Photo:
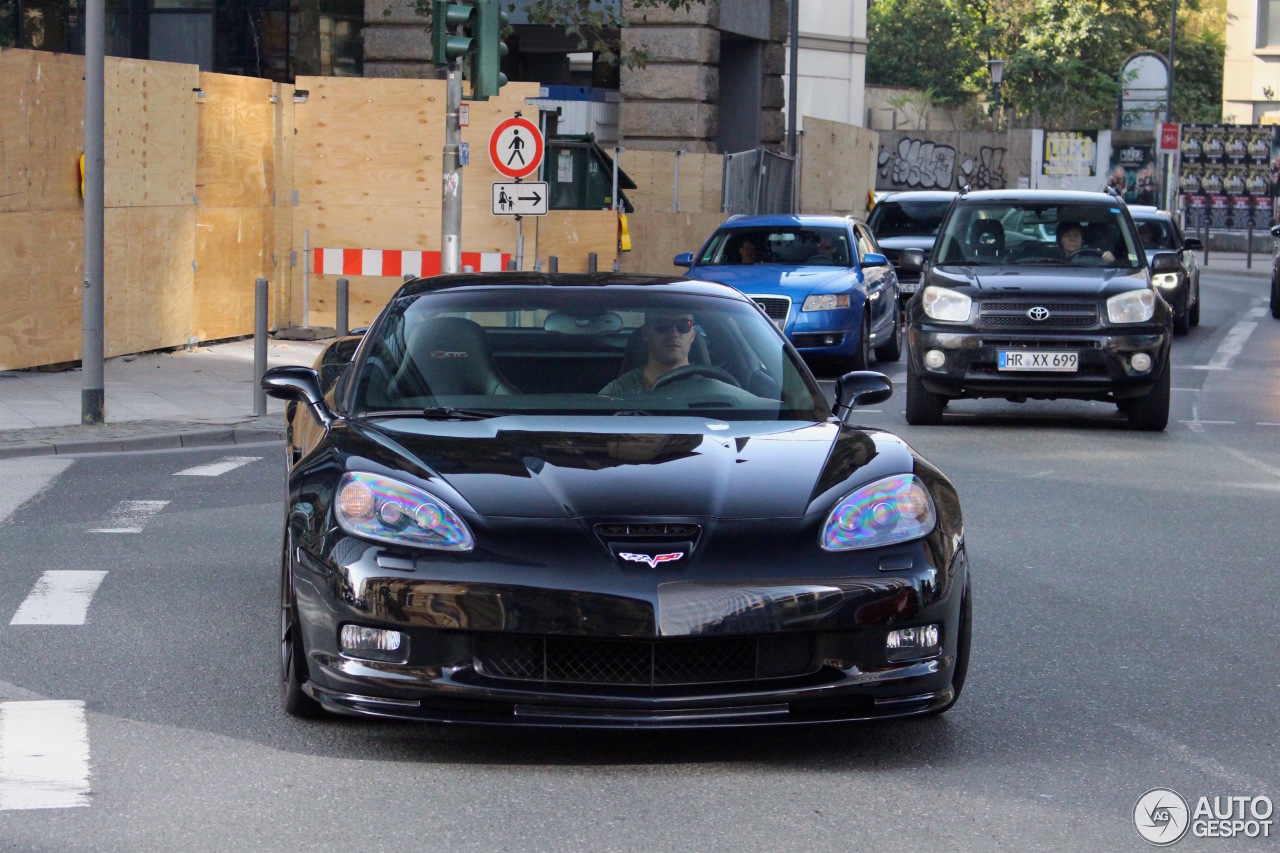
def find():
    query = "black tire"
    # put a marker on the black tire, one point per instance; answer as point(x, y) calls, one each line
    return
point(892, 349)
point(862, 358)
point(1275, 296)
point(924, 408)
point(1151, 413)
point(1193, 310)
point(964, 643)
point(1182, 325)
point(293, 658)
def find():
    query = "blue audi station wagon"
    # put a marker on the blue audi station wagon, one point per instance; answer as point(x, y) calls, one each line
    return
point(821, 279)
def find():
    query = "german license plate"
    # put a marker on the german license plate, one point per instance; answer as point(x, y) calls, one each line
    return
point(908, 286)
point(1056, 362)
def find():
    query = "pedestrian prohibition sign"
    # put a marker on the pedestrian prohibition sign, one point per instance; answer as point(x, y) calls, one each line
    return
point(515, 147)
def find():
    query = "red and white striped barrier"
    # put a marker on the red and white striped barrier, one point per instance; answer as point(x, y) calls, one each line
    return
point(394, 262)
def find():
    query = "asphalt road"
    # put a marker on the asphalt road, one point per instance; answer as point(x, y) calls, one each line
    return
point(1126, 596)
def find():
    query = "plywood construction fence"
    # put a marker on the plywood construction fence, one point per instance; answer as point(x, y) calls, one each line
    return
point(212, 181)
point(837, 167)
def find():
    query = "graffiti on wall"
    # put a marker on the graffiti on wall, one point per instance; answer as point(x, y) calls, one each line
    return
point(919, 164)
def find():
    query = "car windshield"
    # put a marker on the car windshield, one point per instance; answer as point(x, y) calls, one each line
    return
point(907, 218)
point(473, 352)
point(792, 244)
point(1158, 235)
point(1039, 233)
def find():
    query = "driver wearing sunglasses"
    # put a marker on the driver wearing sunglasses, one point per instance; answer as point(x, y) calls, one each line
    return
point(668, 337)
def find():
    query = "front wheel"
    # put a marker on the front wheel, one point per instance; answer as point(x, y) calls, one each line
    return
point(1193, 311)
point(1275, 295)
point(924, 408)
point(891, 350)
point(862, 358)
point(293, 658)
point(1151, 413)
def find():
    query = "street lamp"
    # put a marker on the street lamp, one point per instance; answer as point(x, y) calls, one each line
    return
point(996, 68)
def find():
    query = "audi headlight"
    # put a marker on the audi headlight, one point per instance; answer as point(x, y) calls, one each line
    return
point(942, 303)
point(388, 510)
point(1136, 306)
point(1165, 279)
point(825, 302)
point(895, 509)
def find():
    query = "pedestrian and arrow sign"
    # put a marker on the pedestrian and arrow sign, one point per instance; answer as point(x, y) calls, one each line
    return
point(515, 147)
point(520, 199)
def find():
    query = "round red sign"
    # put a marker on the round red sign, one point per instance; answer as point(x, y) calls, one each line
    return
point(515, 147)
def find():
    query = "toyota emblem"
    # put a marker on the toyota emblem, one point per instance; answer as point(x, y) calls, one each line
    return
point(1038, 313)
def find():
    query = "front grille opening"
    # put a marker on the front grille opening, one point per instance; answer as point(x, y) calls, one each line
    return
point(776, 308)
point(647, 531)
point(643, 663)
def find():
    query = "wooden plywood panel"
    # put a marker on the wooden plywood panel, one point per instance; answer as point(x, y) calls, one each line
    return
point(229, 258)
point(41, 275)
point(149, 280)
point(837, 167)
point(235, 145)
point(151, 132)
point(15, 142)
point(654, 173)
point(571, 235)
point(658, 237)
point(56, 124)
point(367, 295)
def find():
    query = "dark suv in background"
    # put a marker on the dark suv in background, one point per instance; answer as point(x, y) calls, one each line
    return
point(1008, 309)
point(907, 220)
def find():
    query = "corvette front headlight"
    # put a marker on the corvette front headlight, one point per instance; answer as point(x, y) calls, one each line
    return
point(1136, 306)
point(825, 302)
point(895, 509)
point(388, 510)
point(1165, 279)
point(942, 303)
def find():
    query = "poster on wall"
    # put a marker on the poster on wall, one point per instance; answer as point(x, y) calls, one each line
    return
point(1134, 173)
point(1228, 175)
point(1070, 153)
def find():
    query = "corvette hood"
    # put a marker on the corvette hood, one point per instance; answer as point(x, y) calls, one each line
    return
point(770, 278)
point(525, 467)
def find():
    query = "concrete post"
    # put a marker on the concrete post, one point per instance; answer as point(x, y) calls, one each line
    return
point(592, 261)
point(553, 264)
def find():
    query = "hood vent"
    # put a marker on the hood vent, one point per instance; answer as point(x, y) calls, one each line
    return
point(648, 531)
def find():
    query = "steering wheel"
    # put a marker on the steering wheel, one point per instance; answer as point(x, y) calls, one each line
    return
point(691, 370)
point(822, 259)
point(1087, 252)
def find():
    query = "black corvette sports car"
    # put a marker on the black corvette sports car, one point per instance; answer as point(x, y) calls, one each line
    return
point(606, 501)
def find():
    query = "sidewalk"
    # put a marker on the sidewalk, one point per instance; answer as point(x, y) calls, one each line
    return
point(1233, 263)
point(197, 398)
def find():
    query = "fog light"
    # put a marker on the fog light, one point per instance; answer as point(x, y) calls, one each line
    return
point(934, 359)
point(828, 340)
point(1141, 362)
point(910, 643)
point(360, 641)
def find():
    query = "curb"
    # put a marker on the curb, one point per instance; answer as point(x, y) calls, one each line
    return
point(1258, 274)
point(211, 437)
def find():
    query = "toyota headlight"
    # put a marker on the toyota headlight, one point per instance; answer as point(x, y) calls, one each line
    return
point(895, 509)
point(1136, 306)
point(825, 302)
point(388, 510)
point(1165, 279)
point(942, 303)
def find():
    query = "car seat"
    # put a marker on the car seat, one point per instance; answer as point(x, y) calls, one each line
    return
point(986, 239)
point(449, 356)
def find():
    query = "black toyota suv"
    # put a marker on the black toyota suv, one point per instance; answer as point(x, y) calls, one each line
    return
point(1039, 294)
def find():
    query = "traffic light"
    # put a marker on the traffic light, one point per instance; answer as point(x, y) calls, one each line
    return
point(479, 42)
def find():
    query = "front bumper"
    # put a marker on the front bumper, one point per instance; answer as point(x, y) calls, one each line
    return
point(1104, 370)
point(819, 642)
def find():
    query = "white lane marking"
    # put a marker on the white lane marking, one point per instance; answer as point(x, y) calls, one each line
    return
point(1250, 461)
point(1162, 742)
point(1189, 423)
point(24, 479)
point(59, 598)
point(129, 516)
point(217, 469)
point(1233, 344)
point(44, 755)
point(1266, 423)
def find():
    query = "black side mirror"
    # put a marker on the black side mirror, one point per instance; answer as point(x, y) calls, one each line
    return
point(1165, 262)
point(1193, 244)
point(301, 385)
point(861, 388)
point(911, 260)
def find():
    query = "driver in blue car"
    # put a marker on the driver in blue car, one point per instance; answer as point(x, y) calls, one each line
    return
point(668, 338)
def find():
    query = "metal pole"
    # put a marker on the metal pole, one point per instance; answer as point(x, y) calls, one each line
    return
point(451, 206)
point(797, 177)
point(1204, 218)
point(344, 304)
point(553, 264)
point(1173, 41)
point(519, 243)
point(306, 276)
point(511, 264)
point(592, 262)
point(616, 152)
point(793, 66)
point(1248, 252)
point(93, 300)
point(259, 346)
point(675, 185)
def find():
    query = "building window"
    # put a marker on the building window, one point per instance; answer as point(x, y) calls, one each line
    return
point(1268, 23)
